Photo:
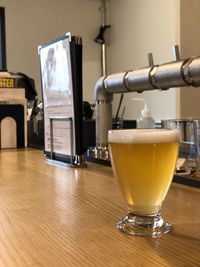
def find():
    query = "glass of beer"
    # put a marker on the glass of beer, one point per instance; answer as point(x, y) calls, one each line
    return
point(144, 161)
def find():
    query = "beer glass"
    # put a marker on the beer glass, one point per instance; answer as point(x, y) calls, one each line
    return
point(144, 161)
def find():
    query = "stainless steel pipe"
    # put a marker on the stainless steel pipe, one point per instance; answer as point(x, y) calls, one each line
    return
point(172, 74)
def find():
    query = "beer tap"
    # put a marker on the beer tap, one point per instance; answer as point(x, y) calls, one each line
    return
point(178, 73)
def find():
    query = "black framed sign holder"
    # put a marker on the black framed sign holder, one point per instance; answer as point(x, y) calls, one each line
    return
point(61, 78)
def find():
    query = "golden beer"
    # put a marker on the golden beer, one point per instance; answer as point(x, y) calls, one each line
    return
point(144, 161)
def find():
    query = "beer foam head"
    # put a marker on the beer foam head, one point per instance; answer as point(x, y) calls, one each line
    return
point(142, 136)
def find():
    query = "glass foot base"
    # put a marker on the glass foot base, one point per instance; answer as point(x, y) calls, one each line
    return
point(153, 226)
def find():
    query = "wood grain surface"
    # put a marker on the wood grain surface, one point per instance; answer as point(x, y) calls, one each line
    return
point(52, 215)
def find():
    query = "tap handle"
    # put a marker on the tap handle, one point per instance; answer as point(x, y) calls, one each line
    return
point(176, 53)
point(150, 59)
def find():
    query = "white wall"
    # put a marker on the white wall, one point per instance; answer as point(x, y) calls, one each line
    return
point(31, 23)
point(137, 28)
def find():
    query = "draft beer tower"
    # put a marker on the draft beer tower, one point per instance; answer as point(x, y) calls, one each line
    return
point(178, 73)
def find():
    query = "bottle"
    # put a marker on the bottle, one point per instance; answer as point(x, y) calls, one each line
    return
point(146, 120)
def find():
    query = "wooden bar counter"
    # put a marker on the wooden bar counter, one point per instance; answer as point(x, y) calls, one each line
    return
point(52, 215)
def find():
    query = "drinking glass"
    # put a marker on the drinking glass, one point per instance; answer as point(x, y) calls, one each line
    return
point(144, 161)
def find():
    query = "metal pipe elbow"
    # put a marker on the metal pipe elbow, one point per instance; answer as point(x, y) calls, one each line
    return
point(100, 92)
